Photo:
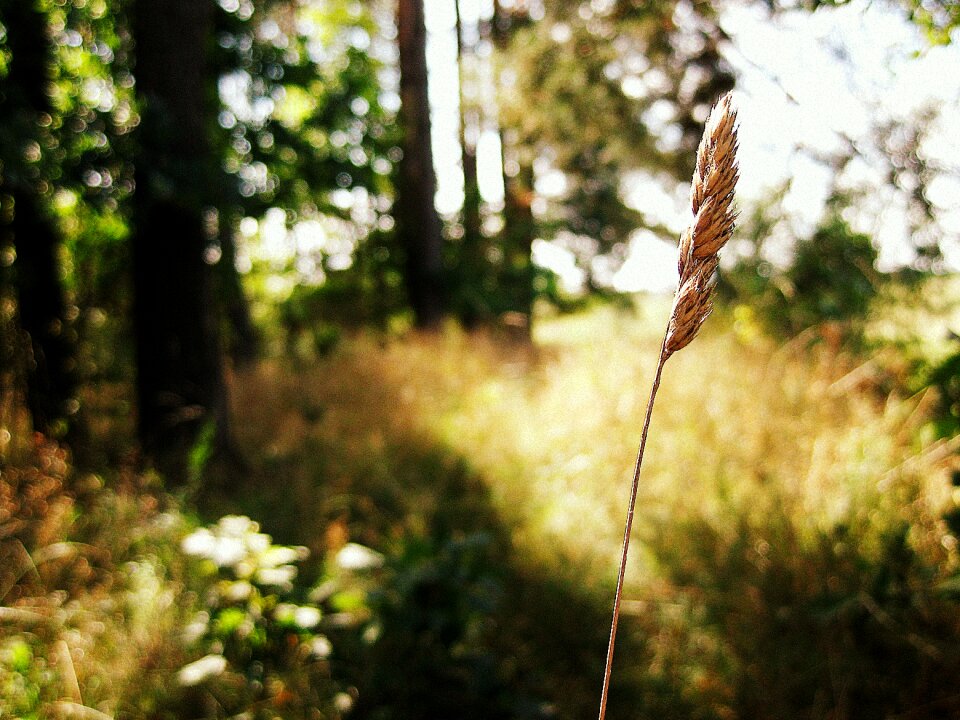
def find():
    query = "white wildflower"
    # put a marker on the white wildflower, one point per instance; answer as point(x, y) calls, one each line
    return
point(237, 525)
point(200, 670)
point(199, 543)
point(279, 555)
point(358, 557)
point(320, 647)
point(343, 702)
point(306, 617)
point(279, 577)
point(196, 628)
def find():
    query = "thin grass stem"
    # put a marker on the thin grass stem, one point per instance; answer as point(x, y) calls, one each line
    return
point(711, 201)
point(627, 529)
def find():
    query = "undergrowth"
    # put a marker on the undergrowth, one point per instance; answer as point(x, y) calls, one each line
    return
point(114, 604)
point(785, 485)
point(796, 540)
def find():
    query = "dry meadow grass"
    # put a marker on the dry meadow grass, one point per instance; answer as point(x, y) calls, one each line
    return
point(741, 424)
point(779, 480)
point(790, 556)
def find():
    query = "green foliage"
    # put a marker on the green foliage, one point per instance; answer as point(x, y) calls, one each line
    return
point(810, 618)
point(434, 608)
point(87, 586)
point(22, 679)
point(576, 100)
point(202, 451)
point(302, 109)
point(945, 378)
point(116, 608)
point(263, 649)
point(307, 127)
point(312, 316)
point(830, 280)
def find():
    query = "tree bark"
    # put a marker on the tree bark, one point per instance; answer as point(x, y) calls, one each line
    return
point(519, 227)
point(244, 340)
point(50, 362)
point(418, 225)
point(471, 259)
point(51, 381)
point(180, 388)
point(518, 234)
point(470, 123)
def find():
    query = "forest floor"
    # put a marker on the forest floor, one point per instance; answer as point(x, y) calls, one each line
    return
point(789, 541)
point(762, 458)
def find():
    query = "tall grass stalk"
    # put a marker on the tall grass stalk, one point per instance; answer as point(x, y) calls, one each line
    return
point(711, 199)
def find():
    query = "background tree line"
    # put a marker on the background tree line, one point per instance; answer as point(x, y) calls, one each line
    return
point(139, 137)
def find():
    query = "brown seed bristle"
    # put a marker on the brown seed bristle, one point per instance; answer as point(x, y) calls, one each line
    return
point(692, 306)
point(711, 200)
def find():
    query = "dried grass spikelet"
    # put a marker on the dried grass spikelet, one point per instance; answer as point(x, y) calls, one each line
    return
point(711, 199)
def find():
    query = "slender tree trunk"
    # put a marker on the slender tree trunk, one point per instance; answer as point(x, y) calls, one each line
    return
point(469, 134)
point(244, 344)
point(519, 228)
point(473, 304)
point(50, 362)
point(180, 387)
point(518, 235)
point(418, 225)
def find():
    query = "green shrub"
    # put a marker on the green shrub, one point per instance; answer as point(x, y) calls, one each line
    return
point(850, 620)
point(945, 377)
point(261, 640)
point(831, 279)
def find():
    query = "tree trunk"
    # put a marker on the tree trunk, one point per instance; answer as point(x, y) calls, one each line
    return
point(471, 261)
point(518, 234)
point(50, 362)
point(470, 123)
point(418, 225)
point(180, 387)
point(519, 228)
point(42, 313)
point(244, 340)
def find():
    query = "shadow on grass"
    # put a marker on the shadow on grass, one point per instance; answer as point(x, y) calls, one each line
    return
point(469, 626)
point(852, 621)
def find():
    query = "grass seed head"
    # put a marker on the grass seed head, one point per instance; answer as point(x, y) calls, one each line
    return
point(711, 200)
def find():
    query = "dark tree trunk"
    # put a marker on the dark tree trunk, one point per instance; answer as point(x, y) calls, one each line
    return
point(470, 123)
point(471, 261)
point(50, 362)
point(244, 341)
point(28, 76)
point(418, 225)
point(518, 234)
point(42, 312)
point(519, 230)
point(180, 388)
